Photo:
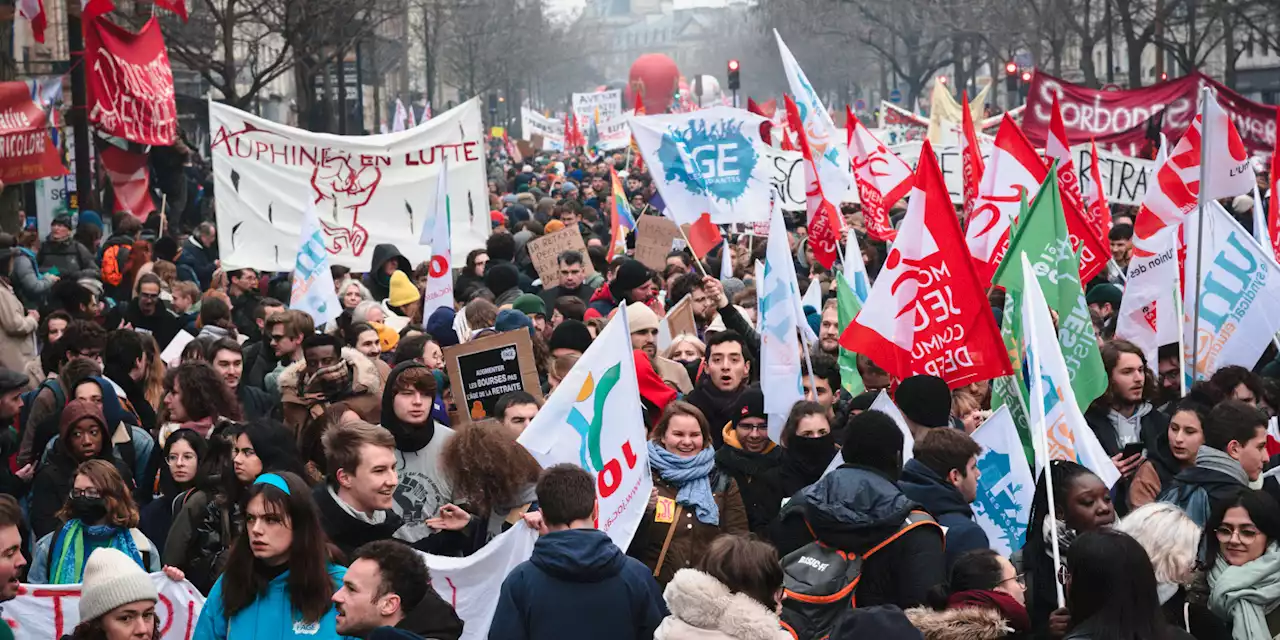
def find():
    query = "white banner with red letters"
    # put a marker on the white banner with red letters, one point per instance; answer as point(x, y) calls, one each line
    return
point(50, 611)
point(368, 190)
point(471, 585)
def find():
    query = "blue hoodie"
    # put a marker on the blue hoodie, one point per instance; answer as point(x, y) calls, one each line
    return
point(945, 503)
point(578, 584)
point(270, 617)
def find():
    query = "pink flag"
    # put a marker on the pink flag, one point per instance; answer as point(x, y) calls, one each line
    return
point(882, 178)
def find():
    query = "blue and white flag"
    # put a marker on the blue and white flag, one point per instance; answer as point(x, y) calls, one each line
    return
point(1058, 428)
point(779, 319)
point(571, 428)
point(708, 161)
point(1239, 294)
point(829, 145)
point(1006, 486)
point(313, 289)
point(855, 271)
point(812, 298)
point(1260, 232)
point(436, 233)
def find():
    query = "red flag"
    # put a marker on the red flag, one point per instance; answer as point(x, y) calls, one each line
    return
point(703, 236)
point(1097, 211)
point(1014, 169)
point(91, 8)
point(882, 178)
point(177, 6)
point(927, 312)
point(33, 12)
point(136, 100)
point(824, 219)
point(1273, 195)
point(971, 156)
point(766, 129)
point(1083, 230)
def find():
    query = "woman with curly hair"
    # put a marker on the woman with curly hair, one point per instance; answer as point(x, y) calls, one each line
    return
point(197, 398)
point(495, 477)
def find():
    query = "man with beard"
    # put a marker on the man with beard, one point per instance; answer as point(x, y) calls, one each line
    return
point(1170, 390)
point(1124, 416)
point(386, 593)
point(147, 312)
point(718, 393)
point(829, 329)
point(355, 500)
point(11, 559)
point(407, 400)
point(644, 337)
point(753, 460)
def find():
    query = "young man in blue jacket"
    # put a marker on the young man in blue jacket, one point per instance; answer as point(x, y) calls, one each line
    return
point(578, 584)
point(943, 477)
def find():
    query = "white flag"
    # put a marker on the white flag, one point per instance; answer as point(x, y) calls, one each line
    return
point(1148, 315)
point(779, 319)
point(1006, 486)
point(1260, 232)
point(440, 268)
point(884, 404)
point(1057, 425)
point(398, 124)
point(571, 428)
point(830, 147)
point(726, 261)
point(471, 585)
point(1239, 294)
point(313, 290)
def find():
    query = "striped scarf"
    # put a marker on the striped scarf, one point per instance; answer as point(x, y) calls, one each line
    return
point(68, 554)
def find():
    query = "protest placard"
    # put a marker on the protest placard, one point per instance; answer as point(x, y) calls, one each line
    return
point(786, 174)
point(680, 318)
point(605, 104)
point(546, 250)
point(48, 612)
point(654, 235)
point(482, 370)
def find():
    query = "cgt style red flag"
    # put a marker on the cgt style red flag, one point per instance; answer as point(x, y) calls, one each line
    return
point(824, 219)
point(882, 178)
point(766, 129)
point(177, 6)
point(130, 83)
point(703, 236)
point(971, 157)
point(1273, 194)
point(1084, 231)
point(926, 313)
point(93, 8)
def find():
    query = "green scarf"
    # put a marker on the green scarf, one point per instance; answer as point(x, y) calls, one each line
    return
point(1246, 593)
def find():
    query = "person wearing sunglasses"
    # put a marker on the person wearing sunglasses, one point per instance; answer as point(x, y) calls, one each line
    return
point(983, 592)
point(1243, 557)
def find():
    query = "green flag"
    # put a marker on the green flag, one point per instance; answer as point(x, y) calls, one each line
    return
point(847, 307)
point(1042, 235)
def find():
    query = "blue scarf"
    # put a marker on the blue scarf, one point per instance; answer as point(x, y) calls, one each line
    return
point(68, 556)
point(692, 476)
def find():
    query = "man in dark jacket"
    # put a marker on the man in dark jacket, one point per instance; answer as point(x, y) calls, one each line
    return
point(857, 507)
point(146, 311)
point(753, 461)
point(718, 393)
point(386, 594)
point(1233, 455)
point(1125, 414)
point(199, 257)
point(572, 280)
point(501, 248)
point(943, 477)
point(576, 573)
point(355, 501)
point(60, 254)
point(242, 288)
point(227, 357)
point(124, 361)
point(114, 258)
point(387, 259)
point(259, 358)
point(632, 282)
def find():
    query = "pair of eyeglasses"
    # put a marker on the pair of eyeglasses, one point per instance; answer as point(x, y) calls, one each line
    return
point(1246, 536)
point(1021, 579)
point(85, 493)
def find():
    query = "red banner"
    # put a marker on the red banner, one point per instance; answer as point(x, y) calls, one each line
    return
point(27, 151)
point(130, 181)
point(130, 82)
point(1118, 119)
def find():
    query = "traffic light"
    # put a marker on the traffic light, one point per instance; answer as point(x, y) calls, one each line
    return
point(942, 79)
point(1011, 77)
point(734, 68)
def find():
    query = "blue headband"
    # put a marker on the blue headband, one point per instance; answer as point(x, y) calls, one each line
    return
point(274, 480)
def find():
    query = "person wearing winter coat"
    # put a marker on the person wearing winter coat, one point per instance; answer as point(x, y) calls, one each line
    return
point(632, 282)
point(731, 595)
point(689, 495)
point(857, 507)
point(575, 572)
point(356, 497)
point(387, 259)
point(423, 489)
point(199, 257)
point(718, 393)
point(753, 461)
point(943, 477)
point(386, 594)
point(29, 282)
point(117, 600)
point(60, 253)
point(984, 599)
point(17, 325)
point(147, 311)
point(809, 446)
point(327, 376)
point(279, 581)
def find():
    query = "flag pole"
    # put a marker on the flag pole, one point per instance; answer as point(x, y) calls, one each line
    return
point(1204, 144)
point(697, 262)
point(1182, 328)
point(1042, 440)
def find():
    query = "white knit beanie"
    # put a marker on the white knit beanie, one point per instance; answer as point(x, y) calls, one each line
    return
point(112, 579)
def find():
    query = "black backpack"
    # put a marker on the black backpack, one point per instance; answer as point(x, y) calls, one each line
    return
point(820, 582)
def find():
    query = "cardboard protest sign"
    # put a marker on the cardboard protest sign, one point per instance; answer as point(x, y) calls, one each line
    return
point(680, 318)
point(545, 252)
point(605, 104)
point(654, 235)
point(786, 174)
point(48, 612)
point(1124, 178)
point(480, 371)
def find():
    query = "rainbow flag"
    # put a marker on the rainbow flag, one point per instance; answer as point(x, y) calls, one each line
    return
point(621, 221)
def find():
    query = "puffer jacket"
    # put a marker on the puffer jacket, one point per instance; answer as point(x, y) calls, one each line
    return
point(703, 608)
point(691, 537)
point(970, 623)
point(200, 538)
point(69, 257)
point(31, 286)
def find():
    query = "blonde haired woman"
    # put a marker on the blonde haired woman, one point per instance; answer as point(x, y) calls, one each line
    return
point(1172, 542)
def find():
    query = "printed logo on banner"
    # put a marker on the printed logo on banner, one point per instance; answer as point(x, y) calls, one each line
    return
point(998, 500)
point(715, 159)
point(593, 396)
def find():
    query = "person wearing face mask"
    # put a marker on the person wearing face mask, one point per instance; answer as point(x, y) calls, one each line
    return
point(808, 445)
point(82, 436)
point(983, 599)
point(99, 512)
point(407, 404)
point(692, 502)
point(280, 578)
point(1243, 539)
point(174, 483)
point(753, 461)
point(943, 477)
point(355, 500)
point(1082, 503)
point(128, 442)
point(728, 372)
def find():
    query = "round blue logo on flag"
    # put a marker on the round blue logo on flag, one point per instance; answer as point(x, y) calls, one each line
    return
point(714, 159)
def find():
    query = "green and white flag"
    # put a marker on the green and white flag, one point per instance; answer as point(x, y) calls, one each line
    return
point(847, 307)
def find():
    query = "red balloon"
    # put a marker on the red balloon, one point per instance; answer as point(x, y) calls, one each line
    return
point(653, 76)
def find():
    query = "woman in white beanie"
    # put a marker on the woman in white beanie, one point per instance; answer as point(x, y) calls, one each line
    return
point(117, 600)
